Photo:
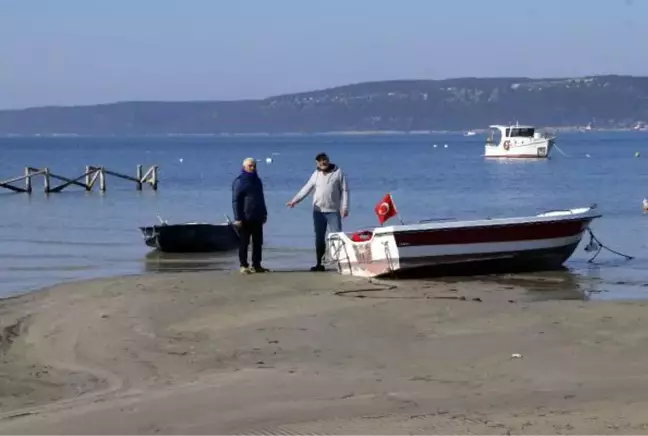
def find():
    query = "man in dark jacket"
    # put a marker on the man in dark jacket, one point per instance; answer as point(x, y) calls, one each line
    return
point(250, 214)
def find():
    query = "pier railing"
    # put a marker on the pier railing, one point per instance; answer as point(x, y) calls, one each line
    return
point(86, 180)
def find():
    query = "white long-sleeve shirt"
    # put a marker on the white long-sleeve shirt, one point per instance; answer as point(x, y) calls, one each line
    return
point(330, 190)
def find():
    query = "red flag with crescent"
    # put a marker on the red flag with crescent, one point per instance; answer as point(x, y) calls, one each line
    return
point(385, 209)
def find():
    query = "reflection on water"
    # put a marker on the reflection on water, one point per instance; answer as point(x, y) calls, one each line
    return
point(560, 284)
point(156, 261)
point(549, 285)
point(274, 258)
point(602, 283)
point(592, 283)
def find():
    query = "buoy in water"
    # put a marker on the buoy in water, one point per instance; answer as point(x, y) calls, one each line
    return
point(434, 146)
point(637, 154)
point(268, 160)
point(445, 145)
point(181, 160)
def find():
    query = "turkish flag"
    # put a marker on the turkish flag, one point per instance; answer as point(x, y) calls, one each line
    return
point(385, 209)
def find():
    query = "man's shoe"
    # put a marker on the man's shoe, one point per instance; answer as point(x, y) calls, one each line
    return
point(258, 269)
point(318, 268)
point(245, 270)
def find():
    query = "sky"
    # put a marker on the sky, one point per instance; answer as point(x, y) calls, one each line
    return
point(76, 52)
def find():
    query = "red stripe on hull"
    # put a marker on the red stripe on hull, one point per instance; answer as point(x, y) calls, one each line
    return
point(491, 234)
point(519, 156)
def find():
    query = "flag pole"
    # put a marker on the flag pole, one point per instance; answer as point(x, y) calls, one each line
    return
point(397, 211)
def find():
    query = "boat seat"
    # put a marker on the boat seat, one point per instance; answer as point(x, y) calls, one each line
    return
point(361, 236)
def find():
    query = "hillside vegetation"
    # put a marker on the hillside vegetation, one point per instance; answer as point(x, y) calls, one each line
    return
point(405, 105)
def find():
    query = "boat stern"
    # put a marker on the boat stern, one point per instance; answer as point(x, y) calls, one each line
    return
point(149, 233)
point(367, 253)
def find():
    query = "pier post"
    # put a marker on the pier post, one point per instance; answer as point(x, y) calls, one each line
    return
point(139, 178)
point(102, 179)
point(88, 178)
point(154, 178)
point(46, 180)
point(28, 184)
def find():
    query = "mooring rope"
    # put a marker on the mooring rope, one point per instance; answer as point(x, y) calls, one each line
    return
point(560, 150)
point(596, 244)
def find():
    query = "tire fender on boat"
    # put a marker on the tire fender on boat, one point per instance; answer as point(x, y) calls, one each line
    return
point(507, 145)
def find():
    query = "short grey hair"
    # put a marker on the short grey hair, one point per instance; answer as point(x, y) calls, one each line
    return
point(249, 160)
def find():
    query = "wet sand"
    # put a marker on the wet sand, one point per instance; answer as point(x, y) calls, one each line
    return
point(284, 353)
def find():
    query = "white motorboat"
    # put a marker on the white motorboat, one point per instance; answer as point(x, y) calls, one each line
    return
point(516, 141)
point(452, 247)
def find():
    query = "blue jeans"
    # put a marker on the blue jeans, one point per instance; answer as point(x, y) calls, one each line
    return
point(322, 220)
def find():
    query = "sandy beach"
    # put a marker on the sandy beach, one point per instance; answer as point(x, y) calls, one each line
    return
point(288, 353)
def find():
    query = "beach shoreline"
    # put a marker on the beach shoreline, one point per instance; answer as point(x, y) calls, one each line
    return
point(295, 352)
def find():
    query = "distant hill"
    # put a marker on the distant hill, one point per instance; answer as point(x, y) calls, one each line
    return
point(403, 105)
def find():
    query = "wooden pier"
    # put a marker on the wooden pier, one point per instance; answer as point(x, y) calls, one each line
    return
point(86, 180)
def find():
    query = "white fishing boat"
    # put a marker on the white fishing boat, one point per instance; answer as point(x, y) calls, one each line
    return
point(470, 133)
point(451, 247)
point(516, 141)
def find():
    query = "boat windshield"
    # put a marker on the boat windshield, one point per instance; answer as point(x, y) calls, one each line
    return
point(522, 132)
point(494, 137)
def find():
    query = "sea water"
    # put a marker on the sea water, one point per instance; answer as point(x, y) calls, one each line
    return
point(47, 239)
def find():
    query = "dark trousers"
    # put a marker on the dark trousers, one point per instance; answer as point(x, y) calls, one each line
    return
point(250, 230)
point(322, 221)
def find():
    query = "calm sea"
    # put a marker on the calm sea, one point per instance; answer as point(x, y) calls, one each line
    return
point(74, 235)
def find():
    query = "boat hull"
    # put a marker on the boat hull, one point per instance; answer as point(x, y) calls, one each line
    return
point(191, 237)
point(535, 149)
point(542, 259)
point(463, 248)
